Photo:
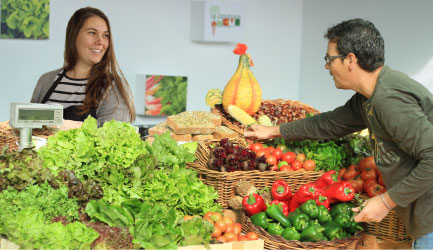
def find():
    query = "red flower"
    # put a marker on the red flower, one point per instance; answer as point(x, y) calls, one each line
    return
point(240, 49)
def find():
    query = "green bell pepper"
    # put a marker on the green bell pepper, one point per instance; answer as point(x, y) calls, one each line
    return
point(310, 208)
point(353, 227)
point(333, 230)
point(290, 233)
point(275, 213)
point(260, 219)
point(300, 221)
point(312, 233)
point(342, 208)
point(324, 215)
point(275, 229)
point(343, 220)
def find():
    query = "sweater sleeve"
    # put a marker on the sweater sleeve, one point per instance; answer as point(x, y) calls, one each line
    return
point(341, 121)
point(43, 85)
point(406, 123)
point(113, 106)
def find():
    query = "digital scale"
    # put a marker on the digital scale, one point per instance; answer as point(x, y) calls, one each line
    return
point(27, 116)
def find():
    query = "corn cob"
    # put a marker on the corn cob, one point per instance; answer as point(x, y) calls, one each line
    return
point(240, 115)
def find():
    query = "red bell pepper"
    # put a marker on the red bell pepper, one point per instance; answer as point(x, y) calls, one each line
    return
point(305, 192)
point(281, 191)
point(284, 206)
point(253, 204)
point(322, 199)
point(340, 191)
point(327, 178)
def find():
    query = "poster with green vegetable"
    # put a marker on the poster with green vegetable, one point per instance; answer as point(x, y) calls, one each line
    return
point(25, 19)
point(165, 95)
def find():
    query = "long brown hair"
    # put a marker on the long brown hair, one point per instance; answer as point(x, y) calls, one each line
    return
point(103, 74)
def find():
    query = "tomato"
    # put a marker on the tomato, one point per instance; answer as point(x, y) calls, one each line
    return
point(216, 216)
point(282, 147)
point(237, 228)
point(243, 238)
point(289, 157)
point(230, 237)
point(252, 236)
point(286, 168)
point(367, 162)
point(296, 165)
point(380, 180)
point(228, 220)
point(271, 149)
point(278, 153)
point(368, 173)
point(217, 232)
point(222, 225)
point(221, 239)
point(256, 146)
point(261, 152)
point(282, 163)
point(187, 217)
point(352, 171)
point(207, 215)
point(341, 172)
point(367, 183)
point(230, 228)
point(271, 160)
point(309, 165)
point(357, 183)
point(300, 157)
point(375, 189)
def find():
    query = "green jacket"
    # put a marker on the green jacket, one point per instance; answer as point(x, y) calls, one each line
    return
point(399, 117)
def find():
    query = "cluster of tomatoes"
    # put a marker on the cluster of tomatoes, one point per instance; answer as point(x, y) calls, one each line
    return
point(282, 160)
point(364, 177)
point(226, 230)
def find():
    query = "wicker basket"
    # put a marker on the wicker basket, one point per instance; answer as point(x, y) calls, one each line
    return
point(279, 110)
point(8, 137)
point(225, 182)
point(11, 137)
point(390, 228)
point(278, 242)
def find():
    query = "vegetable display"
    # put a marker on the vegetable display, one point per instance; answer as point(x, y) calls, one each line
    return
point(135, 194)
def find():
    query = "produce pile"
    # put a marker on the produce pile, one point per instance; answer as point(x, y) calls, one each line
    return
point(104, 188)
point(318, 211)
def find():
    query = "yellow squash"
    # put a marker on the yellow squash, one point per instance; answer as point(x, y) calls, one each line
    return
point(243, 90)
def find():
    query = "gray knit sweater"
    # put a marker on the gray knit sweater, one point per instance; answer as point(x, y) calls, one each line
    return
point(111, 107)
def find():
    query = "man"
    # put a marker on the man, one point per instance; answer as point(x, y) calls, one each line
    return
point(398, 112)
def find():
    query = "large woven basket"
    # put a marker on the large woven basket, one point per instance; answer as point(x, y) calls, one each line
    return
point(225, 182)
point(279, 110)
point(11, 137)
point(278, 242)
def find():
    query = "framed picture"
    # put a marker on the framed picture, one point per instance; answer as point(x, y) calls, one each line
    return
point(25, 19)
point(165, 95)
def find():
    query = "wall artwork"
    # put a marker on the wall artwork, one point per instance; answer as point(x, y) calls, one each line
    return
point(165, 95)
point(216, 21)
point(25, 19)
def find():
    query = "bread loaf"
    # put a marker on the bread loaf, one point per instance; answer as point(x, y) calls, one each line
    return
point(162, 128)
point(194, 122)
point(224, 132)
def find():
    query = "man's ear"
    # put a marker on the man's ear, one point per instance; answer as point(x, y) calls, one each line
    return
point(352, 59)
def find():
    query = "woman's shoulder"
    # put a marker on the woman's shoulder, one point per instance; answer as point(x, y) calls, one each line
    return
point(50, 75)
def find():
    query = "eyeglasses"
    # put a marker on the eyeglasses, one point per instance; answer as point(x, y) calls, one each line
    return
point(329, 59)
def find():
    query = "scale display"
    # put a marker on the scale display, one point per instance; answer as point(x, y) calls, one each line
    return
point(35, 115)
point(30, 114)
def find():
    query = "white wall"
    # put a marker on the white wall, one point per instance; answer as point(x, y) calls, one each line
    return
point(406, 26)
point(153, 37)
point(285, 39)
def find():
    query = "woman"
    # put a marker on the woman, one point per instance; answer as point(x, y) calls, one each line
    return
point(90, 82)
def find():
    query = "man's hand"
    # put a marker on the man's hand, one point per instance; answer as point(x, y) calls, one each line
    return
point(374, 210)
point(261, 132)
